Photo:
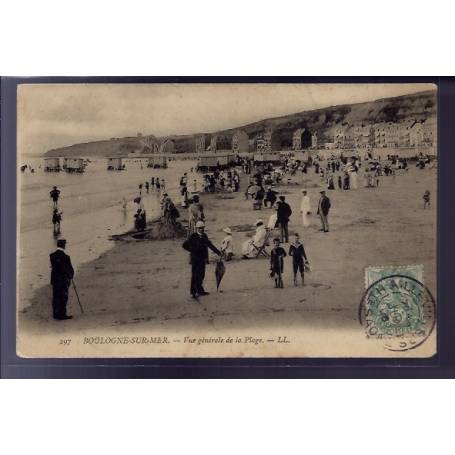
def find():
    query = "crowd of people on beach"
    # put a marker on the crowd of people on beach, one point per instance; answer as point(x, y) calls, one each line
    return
point(263, 183)
point(262, 189)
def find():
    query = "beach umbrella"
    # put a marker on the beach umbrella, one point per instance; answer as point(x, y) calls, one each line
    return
point(220, 269)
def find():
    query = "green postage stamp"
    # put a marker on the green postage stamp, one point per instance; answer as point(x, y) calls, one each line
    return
point(375, 273)
point(397, 309)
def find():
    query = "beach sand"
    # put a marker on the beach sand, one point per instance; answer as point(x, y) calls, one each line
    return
point(141, 289)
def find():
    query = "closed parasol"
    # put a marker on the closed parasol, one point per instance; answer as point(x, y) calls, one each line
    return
point(220, 269)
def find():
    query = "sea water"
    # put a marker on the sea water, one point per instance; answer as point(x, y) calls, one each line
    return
point(92, 206)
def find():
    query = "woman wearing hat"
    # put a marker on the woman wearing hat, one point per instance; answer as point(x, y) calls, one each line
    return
point(250, 246)
point(227, 247)
point(195, 213)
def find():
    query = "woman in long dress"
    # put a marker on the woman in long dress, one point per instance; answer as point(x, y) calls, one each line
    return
point(250, 246)
point(305, 208)
point(353, 177)
point(195, 214)
point(184, 197)
point(366, 178)
point(346, 181)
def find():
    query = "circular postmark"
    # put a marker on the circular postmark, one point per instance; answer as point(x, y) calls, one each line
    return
point(398, 311)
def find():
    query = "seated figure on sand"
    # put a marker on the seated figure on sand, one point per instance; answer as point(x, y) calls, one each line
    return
point(251, 246)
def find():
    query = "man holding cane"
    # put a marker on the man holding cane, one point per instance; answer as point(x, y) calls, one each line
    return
point(61, 275)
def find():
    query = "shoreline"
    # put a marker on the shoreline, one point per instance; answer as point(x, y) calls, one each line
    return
point(92, 211)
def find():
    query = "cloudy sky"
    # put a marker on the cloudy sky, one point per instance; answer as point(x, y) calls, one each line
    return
point(55, 115)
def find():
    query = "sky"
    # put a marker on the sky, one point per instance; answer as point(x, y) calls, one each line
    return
point(57, 115)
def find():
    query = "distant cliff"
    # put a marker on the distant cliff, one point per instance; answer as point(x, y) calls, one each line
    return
point(108, 148)
point(418, 107)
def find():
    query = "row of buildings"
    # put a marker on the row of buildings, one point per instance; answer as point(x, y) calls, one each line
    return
point(408, 133)
point(237, 142)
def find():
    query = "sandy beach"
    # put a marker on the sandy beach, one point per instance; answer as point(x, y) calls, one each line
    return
point(140, 290)
point(92, 200)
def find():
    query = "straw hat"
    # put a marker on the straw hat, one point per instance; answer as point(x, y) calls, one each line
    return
point(227, 230)
point(200, 224)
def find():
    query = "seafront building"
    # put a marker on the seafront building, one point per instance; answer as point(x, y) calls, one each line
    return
point(407, 133)
point(303, 139)
point(240, 142)
point(202, 143)
point(221, 142)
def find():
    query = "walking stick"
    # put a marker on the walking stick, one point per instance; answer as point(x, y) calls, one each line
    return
point(77, 295)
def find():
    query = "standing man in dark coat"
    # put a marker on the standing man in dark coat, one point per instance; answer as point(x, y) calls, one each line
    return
point(198, 244)
point(55, 194)
point(61, 276)
point(284, 212)
point(323, 211)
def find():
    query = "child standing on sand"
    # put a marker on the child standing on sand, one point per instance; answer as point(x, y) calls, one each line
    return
point(277, 256)
point(426, 199)
point(226, 245)
point(299, 259)
point(56, 220)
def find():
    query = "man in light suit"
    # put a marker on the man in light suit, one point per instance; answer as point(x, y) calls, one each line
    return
point(61, 275)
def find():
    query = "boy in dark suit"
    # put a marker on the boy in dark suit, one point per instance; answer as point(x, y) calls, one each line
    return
point(299, 259)
point(277, 256)
point(61, 276)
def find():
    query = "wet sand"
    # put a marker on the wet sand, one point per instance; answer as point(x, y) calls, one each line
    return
point(142, 288)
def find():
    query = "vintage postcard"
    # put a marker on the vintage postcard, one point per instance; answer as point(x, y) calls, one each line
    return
point(226, 220)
